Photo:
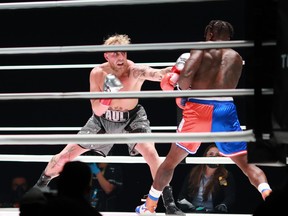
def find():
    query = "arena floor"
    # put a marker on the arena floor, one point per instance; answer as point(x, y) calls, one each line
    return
point(15, 212)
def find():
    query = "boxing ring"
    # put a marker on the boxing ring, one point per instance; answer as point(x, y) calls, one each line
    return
point(157, 137)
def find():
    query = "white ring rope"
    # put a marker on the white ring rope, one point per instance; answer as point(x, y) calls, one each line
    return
point(69, 66)
point(76, 66)
point(118, 159)
point(82, 3)
point(153, 128)
point(130, 47)
point(133, 94)
point(109, 159)
point(56, 139)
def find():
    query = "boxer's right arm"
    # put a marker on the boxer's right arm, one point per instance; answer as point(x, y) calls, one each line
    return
point(111, 84)
point(101, 82)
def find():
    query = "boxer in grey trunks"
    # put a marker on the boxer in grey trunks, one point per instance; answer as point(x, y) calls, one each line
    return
point(119, 115)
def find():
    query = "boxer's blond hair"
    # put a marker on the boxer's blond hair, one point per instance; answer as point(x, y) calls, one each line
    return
point(121, 39)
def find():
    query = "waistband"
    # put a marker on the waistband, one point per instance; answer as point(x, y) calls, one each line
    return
point(120, 116)
point(211, 98)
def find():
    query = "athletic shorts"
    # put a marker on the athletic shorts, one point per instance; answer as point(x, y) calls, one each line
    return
point(211, 115)
point(111, 122)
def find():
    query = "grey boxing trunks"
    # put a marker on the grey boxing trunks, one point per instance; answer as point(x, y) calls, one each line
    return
point(113, 121)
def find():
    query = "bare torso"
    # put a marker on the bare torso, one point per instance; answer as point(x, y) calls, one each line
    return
point(131, 75)
point(211, 69)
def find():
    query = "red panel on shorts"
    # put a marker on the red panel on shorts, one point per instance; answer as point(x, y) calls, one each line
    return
point(196, 118)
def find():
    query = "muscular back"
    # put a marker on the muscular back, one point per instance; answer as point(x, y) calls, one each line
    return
point(211, 69)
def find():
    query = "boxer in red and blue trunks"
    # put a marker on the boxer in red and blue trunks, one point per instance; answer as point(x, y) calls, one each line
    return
point(215, 68)
point(211, 115)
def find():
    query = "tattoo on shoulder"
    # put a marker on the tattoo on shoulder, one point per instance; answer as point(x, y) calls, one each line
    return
point(138, 71)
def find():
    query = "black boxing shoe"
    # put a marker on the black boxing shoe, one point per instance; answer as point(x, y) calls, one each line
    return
point(169, 203)
point(173, 210)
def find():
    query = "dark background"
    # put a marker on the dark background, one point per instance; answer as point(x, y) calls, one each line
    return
point(155, 23)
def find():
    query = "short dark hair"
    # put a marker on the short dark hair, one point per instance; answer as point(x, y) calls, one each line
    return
point(220, 28)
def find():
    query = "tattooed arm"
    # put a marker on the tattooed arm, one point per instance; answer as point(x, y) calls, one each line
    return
point(146, 72)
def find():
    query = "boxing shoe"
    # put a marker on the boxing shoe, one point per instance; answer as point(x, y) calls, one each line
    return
point(169, 203)
point(266, 193)
point(174, 210)
point(144, 210)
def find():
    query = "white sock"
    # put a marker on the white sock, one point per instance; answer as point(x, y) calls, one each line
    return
point(263, 186)
point(154, 194)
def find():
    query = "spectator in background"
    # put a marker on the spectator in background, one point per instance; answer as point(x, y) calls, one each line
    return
point(74, 187)
point(208, 187)
point(72, 197)
point(19, 187)
point(33, 203)
point(107, 183)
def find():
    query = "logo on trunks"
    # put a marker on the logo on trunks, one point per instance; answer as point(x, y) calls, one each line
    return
point(116, 116)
